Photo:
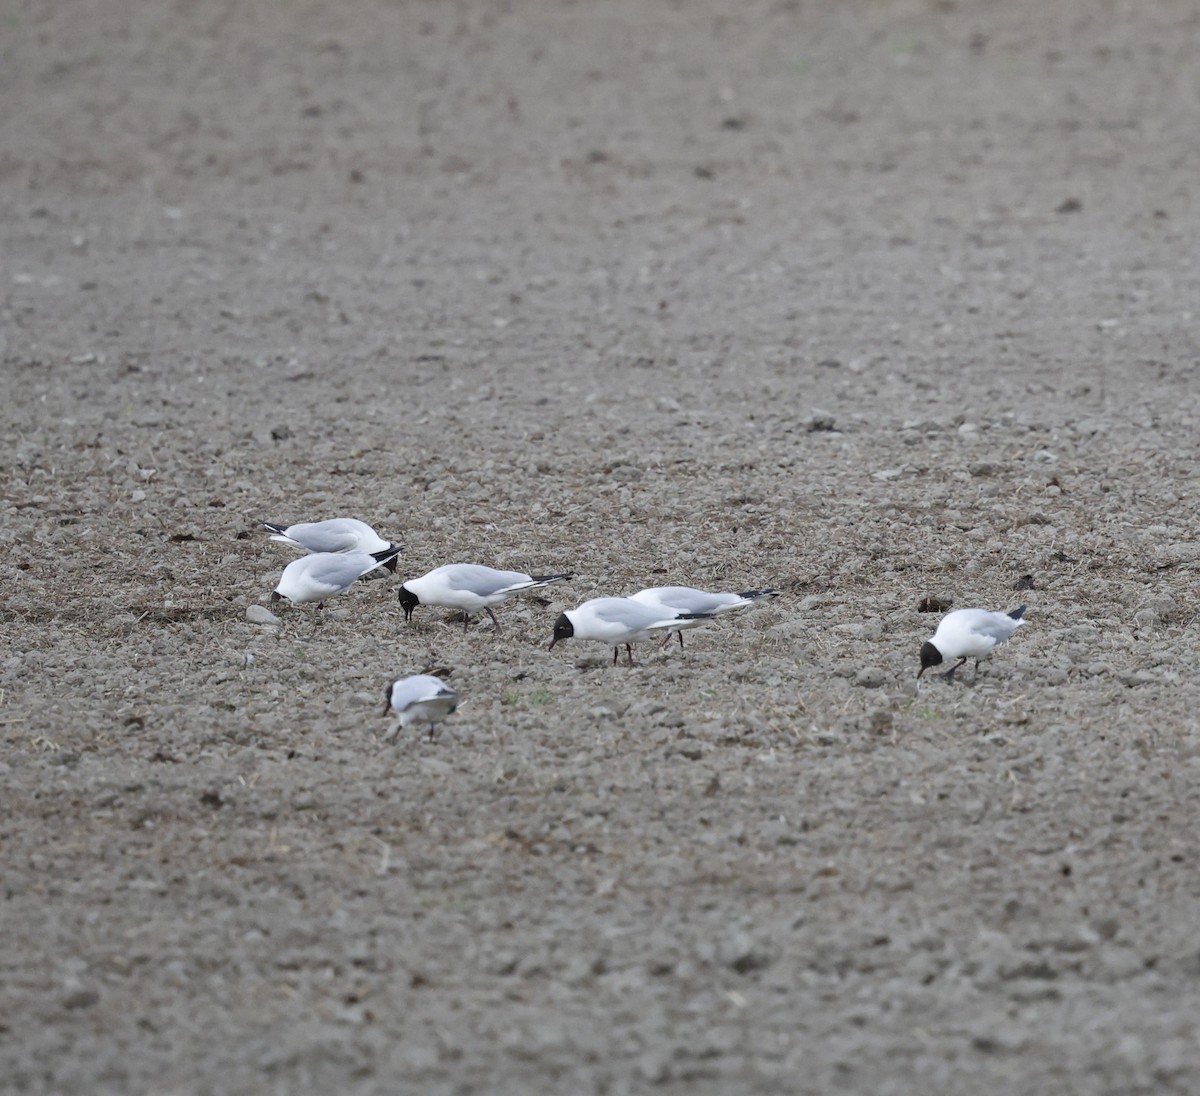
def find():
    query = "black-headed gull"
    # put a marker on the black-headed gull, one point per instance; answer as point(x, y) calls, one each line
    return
point(687, 599)
point(421, 698)
point(618, 620)
point(321, 575)
point(334, 535)
point(968, 633)
point(469, 587)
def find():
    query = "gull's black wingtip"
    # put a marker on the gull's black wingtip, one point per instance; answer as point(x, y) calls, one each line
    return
point(1018, 612)
point(274, 526)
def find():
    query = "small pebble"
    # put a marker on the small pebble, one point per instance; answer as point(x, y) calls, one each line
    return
point(260, 614)
point(871, 629)
point(80, 997)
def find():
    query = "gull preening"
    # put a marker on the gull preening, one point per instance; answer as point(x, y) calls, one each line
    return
point(968, 633)
point(617, 621)
point(469, 587)
point(687, 599)
point(421, 698)
point(323, 575)
point(335, 535)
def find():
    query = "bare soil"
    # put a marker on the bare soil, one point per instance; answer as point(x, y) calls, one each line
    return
point(871, 302)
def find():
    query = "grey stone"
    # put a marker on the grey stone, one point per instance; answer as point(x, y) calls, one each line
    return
point(871, 677)
point(77, 997)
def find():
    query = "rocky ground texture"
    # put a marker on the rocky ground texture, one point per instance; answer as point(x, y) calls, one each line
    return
point(871, 302)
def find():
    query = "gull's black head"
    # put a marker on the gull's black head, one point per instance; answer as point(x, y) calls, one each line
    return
point(563, 629)
point(408, 602)
point(387, 699)
point(276, 596)
point(930, 656)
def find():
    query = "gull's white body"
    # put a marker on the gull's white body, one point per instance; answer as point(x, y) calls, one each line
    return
point(968, 633)
point(973, 633)
point(469, 587)
point(422, 698)
point(335, 535)
point(615, 621)
point(323, 575)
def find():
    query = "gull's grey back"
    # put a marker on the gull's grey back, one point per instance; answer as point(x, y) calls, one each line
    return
point(629, 613)
point(340, 568)
point(420, 687)
point(481, 580)
point(997, 625)
point(687, 599)
point(325, 536)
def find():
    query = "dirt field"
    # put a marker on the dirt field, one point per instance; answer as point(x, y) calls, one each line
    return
point(870, 302)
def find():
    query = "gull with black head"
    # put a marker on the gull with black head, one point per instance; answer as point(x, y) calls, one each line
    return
point(421, 698)
point(335, 535)
point(469, 587)
point(618, 621)
point(968, 633)
point(323, 575)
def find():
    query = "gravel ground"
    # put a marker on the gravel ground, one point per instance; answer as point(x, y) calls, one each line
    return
point(869, 302)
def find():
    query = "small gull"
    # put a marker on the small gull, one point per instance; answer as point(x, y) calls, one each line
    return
point(469, 587)
point(968, 633)
point(618, 620)
point(687, 599)
point(334, 535)
point(323, 574)
point(416, 699)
